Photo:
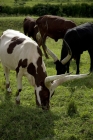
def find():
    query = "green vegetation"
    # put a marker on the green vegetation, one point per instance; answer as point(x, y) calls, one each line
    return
point(60, 9)
point(11, 22)
point(34, 2)
point(70, 116)
point(68, 8)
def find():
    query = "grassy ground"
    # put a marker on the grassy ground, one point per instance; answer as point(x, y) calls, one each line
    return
point(70, 116)
point(34, 2)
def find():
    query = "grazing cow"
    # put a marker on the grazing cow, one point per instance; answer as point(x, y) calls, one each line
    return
point(21, 54)
point(78, 39)
point(54, 27)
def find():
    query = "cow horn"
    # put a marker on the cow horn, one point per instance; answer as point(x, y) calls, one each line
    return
point(49, 79)
point(52, 54)
point(57, 82)
point(67, 58)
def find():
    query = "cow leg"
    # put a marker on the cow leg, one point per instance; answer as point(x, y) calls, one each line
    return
point(19, 86)
point(6, 73)
point(68, 64)
point(91, 60)
point(44, 47)
point(77, 63)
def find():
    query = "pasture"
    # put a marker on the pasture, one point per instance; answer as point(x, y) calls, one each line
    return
point(70, 116)
point(34, 2)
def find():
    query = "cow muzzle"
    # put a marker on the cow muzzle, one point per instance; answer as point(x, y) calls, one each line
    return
point(44, 107)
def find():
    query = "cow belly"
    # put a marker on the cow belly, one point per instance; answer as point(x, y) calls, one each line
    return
point(8, 60)
point(9, 63)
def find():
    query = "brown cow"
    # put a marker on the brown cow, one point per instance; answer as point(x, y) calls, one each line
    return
point(29, 27)
point(54, 27)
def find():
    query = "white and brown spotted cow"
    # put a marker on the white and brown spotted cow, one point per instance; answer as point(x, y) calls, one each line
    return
point(21, 54)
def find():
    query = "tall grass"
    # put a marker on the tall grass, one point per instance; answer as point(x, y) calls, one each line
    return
point(70, 116)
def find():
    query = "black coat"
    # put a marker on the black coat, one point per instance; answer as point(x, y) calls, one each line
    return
point(79, 39)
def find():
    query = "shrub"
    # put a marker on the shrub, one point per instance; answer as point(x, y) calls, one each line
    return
point(74, 10)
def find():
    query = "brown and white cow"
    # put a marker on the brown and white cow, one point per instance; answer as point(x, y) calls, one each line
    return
point(52, 26)
point(21, 54)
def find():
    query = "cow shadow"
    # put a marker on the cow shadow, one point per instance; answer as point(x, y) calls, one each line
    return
point(25, 122)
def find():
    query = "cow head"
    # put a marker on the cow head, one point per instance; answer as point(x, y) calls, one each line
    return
point(50, 83)
point(45, 85)
point(61, 66)
point(46, 89)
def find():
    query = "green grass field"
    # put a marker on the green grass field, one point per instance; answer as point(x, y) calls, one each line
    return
point(70, 116)
point(34, 2)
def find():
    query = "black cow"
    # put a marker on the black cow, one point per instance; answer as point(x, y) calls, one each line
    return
point(79, 39)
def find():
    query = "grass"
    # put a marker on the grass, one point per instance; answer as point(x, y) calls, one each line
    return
point(70, 116)
point(34, 2)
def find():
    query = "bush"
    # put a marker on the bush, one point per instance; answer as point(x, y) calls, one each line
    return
point(74, 10)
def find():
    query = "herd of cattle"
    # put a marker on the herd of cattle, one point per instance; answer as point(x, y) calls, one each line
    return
point(22, 54)
point(79, 38)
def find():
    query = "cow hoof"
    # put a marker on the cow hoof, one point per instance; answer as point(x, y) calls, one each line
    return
point(9, 90)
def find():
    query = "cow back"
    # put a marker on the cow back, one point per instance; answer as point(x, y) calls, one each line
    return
point(54, 26)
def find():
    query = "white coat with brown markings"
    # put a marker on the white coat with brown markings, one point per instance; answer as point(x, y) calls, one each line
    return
point(21, 54)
